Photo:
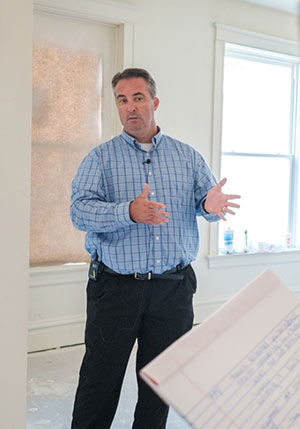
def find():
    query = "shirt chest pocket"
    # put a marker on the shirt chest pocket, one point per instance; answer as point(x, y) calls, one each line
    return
point(183, 186)
point(184, 181)
point(176, 187)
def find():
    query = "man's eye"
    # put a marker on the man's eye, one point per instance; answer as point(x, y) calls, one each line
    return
point(121, 101)
point(139, 98)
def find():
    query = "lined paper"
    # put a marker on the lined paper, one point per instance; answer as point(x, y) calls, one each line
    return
point(241, 367)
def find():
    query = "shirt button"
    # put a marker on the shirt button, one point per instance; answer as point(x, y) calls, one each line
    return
point(150, 173)
point(158, 261)
point(152, 193)
point(157, 237)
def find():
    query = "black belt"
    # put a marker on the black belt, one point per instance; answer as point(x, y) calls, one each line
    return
point(173, 274)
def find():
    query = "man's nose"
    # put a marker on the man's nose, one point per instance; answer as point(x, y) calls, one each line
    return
point(131, 106)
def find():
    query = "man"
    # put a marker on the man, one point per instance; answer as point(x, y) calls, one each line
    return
point(137, 196)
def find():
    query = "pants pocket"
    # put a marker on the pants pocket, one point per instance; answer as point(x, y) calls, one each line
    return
point(112, 307)
point(190, 279)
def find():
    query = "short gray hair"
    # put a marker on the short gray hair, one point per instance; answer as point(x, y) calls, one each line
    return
point(135, 72)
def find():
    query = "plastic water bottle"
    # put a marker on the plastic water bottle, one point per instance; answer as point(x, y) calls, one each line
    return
point(228, 240)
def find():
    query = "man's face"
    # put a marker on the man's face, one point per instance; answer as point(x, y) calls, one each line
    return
point(136, 107)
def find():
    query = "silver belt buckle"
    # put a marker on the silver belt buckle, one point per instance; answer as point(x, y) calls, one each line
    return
point(137, 276)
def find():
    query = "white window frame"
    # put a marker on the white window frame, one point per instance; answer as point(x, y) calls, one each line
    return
point(226, 35)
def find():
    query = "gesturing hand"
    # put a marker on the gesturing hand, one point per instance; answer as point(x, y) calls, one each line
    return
point(217, 203)
point(144, 211)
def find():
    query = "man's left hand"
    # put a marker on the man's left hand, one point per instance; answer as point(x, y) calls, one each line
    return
point(217, 203)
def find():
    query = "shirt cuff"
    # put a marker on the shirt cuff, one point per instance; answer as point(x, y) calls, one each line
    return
point(203, 202)
point(122, 214)
point(208, 216)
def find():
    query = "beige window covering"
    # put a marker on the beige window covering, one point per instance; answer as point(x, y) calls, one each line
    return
point(67, 114)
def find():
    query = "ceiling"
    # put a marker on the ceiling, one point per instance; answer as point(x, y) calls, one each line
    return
point(292, 6)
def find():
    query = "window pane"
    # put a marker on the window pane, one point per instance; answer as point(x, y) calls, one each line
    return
point(263, 184)
point(256, 107)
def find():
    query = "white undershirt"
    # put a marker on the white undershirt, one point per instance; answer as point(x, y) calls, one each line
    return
point(146, 146)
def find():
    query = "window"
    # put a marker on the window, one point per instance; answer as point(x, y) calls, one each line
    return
point(258, 147)
point(72, 110)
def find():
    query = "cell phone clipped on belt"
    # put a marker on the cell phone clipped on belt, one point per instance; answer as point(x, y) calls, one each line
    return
point(95, 270)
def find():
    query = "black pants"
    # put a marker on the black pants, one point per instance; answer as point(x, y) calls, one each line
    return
point(121, 309)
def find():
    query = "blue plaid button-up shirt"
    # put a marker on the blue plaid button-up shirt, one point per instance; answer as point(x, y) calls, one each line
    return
point(113, 174)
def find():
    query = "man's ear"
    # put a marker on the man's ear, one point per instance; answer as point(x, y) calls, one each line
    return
point(155, 103)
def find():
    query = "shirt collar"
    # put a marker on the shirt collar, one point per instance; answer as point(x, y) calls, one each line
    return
point(133, 142)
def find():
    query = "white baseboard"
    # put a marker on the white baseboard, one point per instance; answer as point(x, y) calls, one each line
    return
point(56, 306)
point(54, 333)
point(205, 307)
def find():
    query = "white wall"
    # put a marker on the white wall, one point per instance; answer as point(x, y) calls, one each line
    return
point(174, 39)
point(15, 138)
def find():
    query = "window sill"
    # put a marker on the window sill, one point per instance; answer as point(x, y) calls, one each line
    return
point(248, 259)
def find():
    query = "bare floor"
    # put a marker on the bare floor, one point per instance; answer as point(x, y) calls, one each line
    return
point(52, 381)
